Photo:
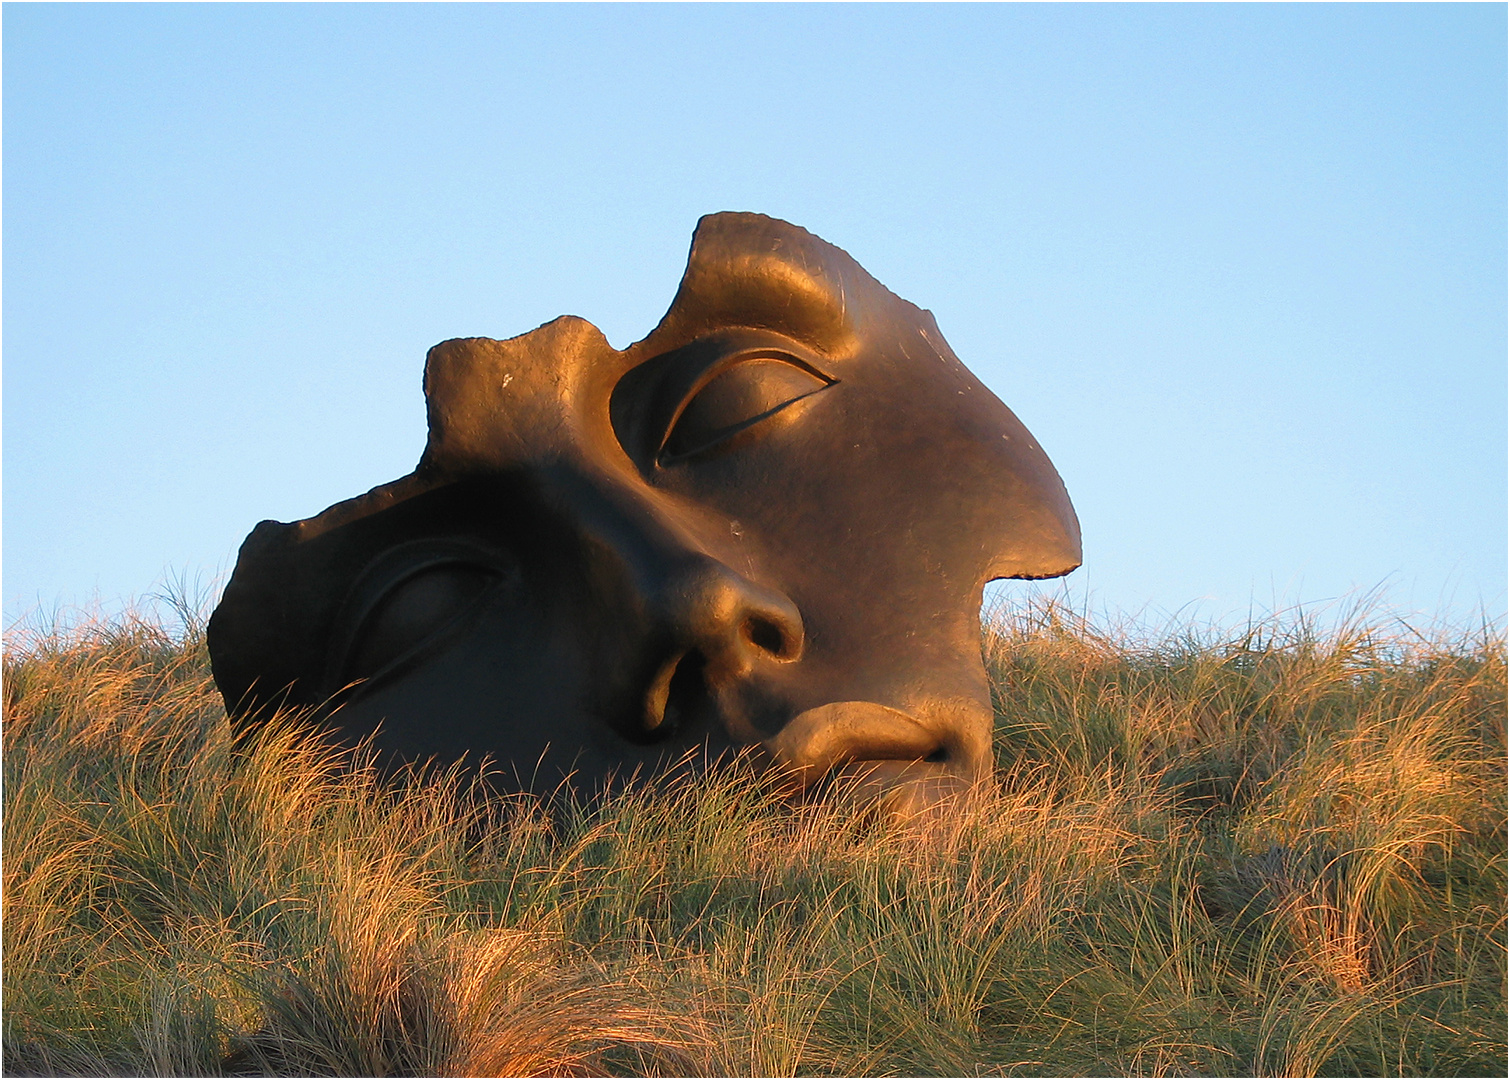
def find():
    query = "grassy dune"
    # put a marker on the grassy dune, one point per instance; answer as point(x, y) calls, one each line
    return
point(1271, 852)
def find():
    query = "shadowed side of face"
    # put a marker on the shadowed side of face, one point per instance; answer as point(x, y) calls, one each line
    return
point(766, 525)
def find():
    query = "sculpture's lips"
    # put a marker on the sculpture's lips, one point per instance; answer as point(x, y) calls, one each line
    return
point(873, 751)
point(846, 731)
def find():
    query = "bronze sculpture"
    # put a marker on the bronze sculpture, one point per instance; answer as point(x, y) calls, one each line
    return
point(767, 524)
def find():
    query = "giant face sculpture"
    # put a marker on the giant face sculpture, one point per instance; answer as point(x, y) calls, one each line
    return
point(766, 525)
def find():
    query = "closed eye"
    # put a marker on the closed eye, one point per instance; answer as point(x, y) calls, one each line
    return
point(734, 398)
point(403, 608)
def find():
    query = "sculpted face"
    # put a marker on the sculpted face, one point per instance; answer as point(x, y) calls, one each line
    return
point(766, 525)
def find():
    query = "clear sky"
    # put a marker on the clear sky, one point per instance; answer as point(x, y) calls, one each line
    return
point(1241, 269)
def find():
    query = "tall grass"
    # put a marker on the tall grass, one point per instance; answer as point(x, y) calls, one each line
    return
point(1274, 852)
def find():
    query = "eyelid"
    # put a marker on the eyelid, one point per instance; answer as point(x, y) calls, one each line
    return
point(390, 573)
point(723, 363)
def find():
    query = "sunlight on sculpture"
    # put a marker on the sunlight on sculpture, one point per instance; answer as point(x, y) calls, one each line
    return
point(766, 525)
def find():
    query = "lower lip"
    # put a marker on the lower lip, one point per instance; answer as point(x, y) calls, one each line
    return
point(902, 789)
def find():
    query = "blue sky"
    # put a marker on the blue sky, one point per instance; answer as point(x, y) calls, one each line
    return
point(1241, 269)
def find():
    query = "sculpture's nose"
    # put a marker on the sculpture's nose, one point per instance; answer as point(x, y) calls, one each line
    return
point(734, 622)
point(694, 634)
point(723, 627)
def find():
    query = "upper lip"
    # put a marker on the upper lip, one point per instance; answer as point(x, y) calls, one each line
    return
point(817, 741)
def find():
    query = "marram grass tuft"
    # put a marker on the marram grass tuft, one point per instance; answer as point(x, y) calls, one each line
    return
point(1274, 852)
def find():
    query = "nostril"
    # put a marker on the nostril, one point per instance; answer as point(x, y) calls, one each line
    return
point(938, 757)
point(686, 694)
point(673, 700)
point(766, 635)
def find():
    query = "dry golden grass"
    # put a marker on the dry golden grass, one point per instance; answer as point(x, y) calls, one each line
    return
point(1277, 852)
